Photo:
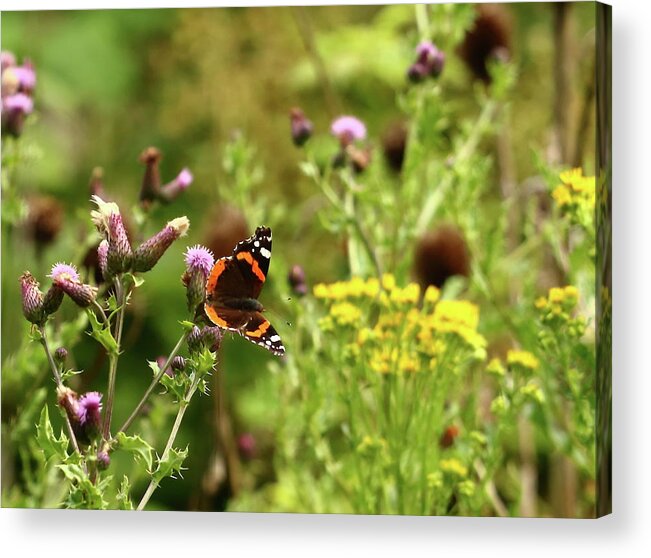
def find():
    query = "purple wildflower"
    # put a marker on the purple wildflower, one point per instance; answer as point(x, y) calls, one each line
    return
point(178, 364)
point(296, 279)
point(32, 298)
point(89, 413)
point(211, 337)
point(90, 407)
point(301, 127)
point(199, 258)
point(181, 183)
point(18, 103)
point(26, 76)
point(7, 60)
point(194, 340)
point(61, 354)
point(102, 258)
point(109, 223)
point(348, 129)
point(425, 50)
point(247, 446)
point(66, 278)
point(429, 62)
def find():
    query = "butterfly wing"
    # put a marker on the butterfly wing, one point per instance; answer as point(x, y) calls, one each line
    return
point(253, 256)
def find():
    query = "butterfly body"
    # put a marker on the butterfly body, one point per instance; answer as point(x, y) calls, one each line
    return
point(233, 287)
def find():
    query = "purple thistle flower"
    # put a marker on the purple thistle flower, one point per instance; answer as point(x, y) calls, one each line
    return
point(26, 76)
point(89, 413)
point(194, 340)
point(64, 272)
point(181, 183)
point(90, 407)
point(52, 301)
point(211, 337)
point(199, 261)
point(301, 127)
point(348, 129)
point(150, 251)
point(425, 50)
point(7, 60)
point(32, 298)
point(199, 258)
point(66, 278)
point(18, 103)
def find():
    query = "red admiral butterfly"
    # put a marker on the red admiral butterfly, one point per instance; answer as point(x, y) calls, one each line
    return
point(233, 288)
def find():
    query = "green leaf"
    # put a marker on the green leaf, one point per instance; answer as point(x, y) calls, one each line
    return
point(122, 497)
point(131, 281)
point(53, 448)
point(27, 416)
point(102, 334)
point(171, 465)
point(187, 326)
point(69, 374)
point(136, 445)
point(83, 493)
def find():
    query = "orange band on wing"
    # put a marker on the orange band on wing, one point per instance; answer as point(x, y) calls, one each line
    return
point(246, 256)
point(216, 271)
point(264, 326)
point(214, 317)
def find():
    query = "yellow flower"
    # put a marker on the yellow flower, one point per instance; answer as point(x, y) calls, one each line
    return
point(522, 358)
point(495, 368)
point(569, 176)
point(345, 313)
point(321, 290)
point(541, 302)
point(556, 294)
point(432, 295)
point(408, 295)
point(561, 195)
point(388, 282)
point(458, 312)
point(453, 467)
point(372, 287)
point(533, 391)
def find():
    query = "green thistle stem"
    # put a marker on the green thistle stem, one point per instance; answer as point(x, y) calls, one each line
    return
point(59, 382)
point(153, 384)
point(153, 484)
point(113, 359)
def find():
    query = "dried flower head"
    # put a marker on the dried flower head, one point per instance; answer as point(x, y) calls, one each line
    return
point(44, 220)
point(394, 143)
point(489, 38)
point(150, 189)
point(441, 254)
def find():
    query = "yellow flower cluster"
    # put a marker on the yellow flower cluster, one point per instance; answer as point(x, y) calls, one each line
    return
point(522, 359)
point(558, 300)
point(575, 196)
point(453, 467)
point(398, 329)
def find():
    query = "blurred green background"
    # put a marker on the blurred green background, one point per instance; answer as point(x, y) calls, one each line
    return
point(111, 83)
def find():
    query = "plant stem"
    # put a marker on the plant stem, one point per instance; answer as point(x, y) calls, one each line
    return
point(153, 485)
point(113, 358)
point(153, 384)
point(57, 378)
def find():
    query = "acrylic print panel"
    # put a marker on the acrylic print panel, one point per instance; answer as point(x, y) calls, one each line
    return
point(341, 259)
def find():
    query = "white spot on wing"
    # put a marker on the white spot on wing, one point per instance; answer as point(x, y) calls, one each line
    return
point(256, 244)
point(275, 338)
point(265, 253)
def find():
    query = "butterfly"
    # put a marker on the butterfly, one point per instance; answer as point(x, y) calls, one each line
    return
point(233, 287)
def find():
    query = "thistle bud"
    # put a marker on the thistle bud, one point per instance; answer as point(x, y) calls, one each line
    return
point(149, 252)
point(348, 129)
point(60, 355)
point(52, 301)
point(14, 110)
point(66, 278)
point(32, 299)
point(178, 364)
point(181, 183)
point(211, 336)
point(109, 223)
point(194, 340)
point(150, 189)
point(301, 127)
